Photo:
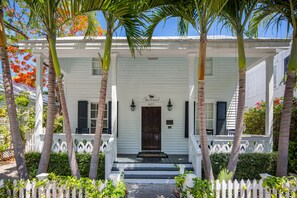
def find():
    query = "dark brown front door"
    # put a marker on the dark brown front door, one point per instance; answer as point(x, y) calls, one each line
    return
point(151, 128)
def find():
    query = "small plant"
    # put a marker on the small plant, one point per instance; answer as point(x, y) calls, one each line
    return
point(202, 188)
point(225, 175)
point(282, 185)
point(179, 183)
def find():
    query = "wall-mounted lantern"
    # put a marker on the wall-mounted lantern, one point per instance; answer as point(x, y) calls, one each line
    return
point(169, 105)
point(133, 106)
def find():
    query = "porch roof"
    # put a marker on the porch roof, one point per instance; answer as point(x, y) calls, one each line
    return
point(221, 46)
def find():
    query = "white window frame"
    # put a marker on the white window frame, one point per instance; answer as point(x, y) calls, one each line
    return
point(96, 65)
point(209, 66)
point(91, 118)
point(206, 119)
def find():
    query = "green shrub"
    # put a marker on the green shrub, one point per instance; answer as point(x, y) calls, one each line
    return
point(292, 157)
point(254, 120)
point(249, 166)
point(91, 188)
point(59, 164)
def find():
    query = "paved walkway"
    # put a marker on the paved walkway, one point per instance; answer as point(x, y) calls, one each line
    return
point(8, 170)
point(150, 190)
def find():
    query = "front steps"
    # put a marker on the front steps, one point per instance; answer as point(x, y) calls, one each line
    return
point(148, 172)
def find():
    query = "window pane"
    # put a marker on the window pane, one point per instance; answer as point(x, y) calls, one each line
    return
point(96, 66)
point(94, 106)
point(208, 66)
point(105, 124)
point(94, 114)
point(93, 130)
point(93, 123)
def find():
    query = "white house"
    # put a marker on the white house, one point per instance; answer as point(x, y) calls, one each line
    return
point(164, 74)
point(256, 78)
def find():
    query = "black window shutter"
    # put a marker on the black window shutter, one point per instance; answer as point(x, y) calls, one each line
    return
point(82, 117)
point(118, 119)
point(109, 116)
point(286, 62)
point(186, 119)
point(194, 118)
point(221, 118)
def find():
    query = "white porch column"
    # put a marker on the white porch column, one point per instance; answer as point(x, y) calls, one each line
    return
point(39, 102)
point(269, 100)
point(114, 99)
point(191, 63)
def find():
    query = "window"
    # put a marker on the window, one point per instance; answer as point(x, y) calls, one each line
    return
point(209, 117)
point(96, 66)
point(94, 115)
point(208, 66)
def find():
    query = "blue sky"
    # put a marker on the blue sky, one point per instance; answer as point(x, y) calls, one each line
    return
point(170, 29)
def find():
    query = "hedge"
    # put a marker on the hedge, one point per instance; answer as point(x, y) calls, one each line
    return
point(59, 164)
point(249, 166)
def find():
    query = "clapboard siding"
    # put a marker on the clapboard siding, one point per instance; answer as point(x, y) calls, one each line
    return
point(221, 85)
point(80, 85)
point(165, 78)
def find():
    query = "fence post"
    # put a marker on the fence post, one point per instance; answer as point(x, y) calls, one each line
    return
point(198, 167)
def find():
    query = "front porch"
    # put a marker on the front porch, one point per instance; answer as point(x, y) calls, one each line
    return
point(161, 168)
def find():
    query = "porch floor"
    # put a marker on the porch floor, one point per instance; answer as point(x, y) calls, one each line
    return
point(172, 159)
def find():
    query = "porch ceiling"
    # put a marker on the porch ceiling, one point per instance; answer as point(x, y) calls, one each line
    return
point(220, 46)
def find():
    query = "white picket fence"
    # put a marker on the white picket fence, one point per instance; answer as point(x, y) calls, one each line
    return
point(30, 189)
point(239, 189)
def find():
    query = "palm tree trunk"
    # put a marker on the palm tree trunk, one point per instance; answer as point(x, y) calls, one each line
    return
point(18, 146)
point(48, 140)
point(66, 121)
point(233, 159)
point(284, 133)
point(99, 127)
point(201, 111)
point(101, 108)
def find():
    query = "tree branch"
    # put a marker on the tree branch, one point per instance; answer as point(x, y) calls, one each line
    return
point(15, 29)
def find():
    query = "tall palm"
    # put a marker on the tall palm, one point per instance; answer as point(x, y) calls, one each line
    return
point(11, 107)
point(48, 12)
point(236, 15)
point(48, 139)
point(121, 14)
point(201, 14)
point(273, 12)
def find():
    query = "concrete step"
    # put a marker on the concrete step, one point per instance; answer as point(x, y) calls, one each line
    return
point(148, 172)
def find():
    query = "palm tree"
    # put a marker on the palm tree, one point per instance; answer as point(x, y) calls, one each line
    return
point(201, 14)
point(122, 15)
point(48, 139)
point(11, 107)
point(48, 12)
point(236, 15)
point(274, 12)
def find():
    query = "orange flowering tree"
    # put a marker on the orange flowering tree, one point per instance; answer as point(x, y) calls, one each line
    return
point(22, 62)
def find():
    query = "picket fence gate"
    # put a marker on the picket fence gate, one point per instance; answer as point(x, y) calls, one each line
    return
point(50, 190)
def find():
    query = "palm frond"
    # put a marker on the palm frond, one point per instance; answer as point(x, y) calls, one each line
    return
point(185, 12)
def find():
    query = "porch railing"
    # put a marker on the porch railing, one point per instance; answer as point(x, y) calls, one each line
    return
point(223, 144)
point(83, 143)
point(110, 155)
point(249, 143)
